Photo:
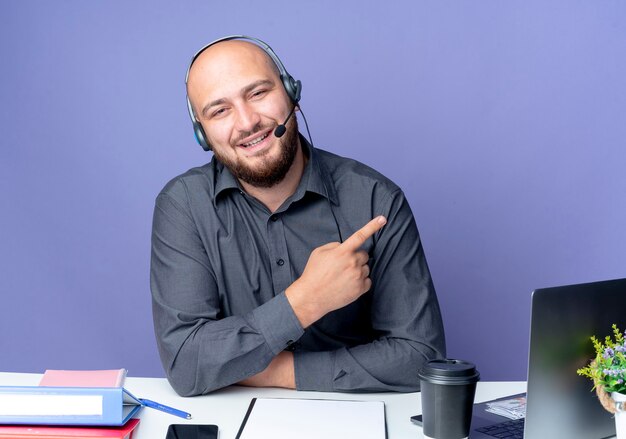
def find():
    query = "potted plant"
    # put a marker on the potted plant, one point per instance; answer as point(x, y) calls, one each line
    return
point(608, 373)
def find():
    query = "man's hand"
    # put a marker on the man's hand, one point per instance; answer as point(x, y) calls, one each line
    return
point(335, 275)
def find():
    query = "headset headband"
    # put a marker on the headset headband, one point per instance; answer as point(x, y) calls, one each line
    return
point(260, 43)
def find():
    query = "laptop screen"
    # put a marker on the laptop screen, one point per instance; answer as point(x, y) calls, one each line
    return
point(561, 403)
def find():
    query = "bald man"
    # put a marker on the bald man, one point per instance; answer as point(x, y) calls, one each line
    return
point(280, 264)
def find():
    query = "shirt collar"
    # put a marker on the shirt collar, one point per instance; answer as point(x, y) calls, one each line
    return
point(315, 177)
point(224, 180)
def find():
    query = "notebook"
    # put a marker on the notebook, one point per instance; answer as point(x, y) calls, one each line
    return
point(83, 378)
point(560, 403)
point(51, 432)
point(284, 418)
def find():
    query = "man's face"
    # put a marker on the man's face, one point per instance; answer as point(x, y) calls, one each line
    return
point(237, 95)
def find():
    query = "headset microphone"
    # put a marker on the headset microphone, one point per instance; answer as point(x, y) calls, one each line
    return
point(280, 129)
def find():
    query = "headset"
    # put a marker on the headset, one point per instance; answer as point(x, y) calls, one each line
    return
point(292, 86)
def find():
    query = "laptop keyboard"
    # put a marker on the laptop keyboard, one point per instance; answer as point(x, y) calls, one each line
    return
point(509, 429)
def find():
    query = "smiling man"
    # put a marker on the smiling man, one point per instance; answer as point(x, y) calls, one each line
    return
point(279, 264)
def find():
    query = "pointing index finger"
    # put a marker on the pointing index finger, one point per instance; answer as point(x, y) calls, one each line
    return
point(360, 236)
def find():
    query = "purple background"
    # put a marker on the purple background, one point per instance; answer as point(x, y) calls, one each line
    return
point(504, 122)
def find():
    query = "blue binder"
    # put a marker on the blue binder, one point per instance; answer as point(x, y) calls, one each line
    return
point(35, 405)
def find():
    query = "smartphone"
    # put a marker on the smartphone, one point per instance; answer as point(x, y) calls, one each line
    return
point(417, 420)
point(191, 431)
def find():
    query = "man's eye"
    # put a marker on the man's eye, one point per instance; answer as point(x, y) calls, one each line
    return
point(258, 93)
point(218, 112)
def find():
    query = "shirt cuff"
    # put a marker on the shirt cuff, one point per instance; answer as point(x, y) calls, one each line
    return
point(278, 323)
point(314, 370)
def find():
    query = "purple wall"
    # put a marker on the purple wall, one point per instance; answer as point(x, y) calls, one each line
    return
point(504, 122)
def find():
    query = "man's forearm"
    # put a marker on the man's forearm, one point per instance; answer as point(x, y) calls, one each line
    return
point(279, 373)
point(385, 365)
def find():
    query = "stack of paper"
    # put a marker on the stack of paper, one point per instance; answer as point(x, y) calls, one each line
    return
point(514, 408)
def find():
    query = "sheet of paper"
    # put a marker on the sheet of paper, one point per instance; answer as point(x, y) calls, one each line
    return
point(314, 419)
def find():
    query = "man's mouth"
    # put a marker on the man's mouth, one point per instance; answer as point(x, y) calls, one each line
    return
point(255, 141)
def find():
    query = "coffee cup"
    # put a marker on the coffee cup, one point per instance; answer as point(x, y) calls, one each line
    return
point(447, 387)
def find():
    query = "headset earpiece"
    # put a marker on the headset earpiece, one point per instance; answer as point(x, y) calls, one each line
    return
point(198, 131)
point(292, 87)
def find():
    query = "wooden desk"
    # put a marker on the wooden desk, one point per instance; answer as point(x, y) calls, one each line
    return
point(227, 407)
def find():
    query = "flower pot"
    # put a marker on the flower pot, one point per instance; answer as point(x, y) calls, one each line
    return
point(620, 415)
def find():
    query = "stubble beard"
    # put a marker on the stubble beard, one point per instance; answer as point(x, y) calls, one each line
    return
point(268, 171)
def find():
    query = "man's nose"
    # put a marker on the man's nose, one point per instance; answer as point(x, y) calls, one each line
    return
point(247, 118)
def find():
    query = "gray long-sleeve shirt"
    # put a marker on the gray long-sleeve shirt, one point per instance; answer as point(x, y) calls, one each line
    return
point(221, 262)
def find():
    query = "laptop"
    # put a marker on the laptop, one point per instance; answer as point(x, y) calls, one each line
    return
point(560, 403)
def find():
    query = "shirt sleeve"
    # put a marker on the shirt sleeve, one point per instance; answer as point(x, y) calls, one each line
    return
point(200, 349)
point(405, 317)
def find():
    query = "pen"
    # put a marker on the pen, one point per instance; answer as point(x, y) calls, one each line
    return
point(165, 408)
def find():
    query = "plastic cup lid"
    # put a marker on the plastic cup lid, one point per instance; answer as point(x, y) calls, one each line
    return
point(449, 371)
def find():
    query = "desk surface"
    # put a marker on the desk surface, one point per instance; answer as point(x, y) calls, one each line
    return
point(227, 407)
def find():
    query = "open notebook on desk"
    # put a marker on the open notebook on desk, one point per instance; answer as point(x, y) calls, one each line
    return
point(282, 418)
